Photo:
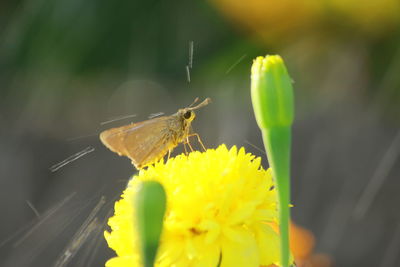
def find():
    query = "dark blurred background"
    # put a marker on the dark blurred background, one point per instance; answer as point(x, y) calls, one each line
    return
point(66, 66)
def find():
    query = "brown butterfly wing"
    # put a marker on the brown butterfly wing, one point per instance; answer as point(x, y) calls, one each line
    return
point(144, 142)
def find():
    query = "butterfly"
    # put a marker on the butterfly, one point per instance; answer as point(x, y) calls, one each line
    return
point(148, 141)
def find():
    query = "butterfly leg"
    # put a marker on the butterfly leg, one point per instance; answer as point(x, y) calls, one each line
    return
point(188, 143)
point(198, 139)
point(184, 147)
point(169, 154)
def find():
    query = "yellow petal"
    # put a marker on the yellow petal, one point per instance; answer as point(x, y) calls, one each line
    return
point(268, 244)
point(208, 256)
point(121, 261)
point(240, 253)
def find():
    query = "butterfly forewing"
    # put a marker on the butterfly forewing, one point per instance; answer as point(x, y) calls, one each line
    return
point(148, 141)
point(143, 142)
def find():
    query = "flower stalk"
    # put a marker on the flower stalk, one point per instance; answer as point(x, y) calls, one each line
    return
point(272, 98)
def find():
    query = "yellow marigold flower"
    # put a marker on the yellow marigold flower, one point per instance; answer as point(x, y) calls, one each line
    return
point(220, 206)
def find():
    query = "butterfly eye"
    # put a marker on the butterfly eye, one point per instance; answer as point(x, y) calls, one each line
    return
point(187, 115)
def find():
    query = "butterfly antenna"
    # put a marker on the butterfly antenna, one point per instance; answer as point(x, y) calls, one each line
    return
point(194, 102)
point(202, 104)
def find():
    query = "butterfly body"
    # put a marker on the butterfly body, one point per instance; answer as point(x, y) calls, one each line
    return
point(148, 141)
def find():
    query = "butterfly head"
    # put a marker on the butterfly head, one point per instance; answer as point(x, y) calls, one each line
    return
point(188, 114)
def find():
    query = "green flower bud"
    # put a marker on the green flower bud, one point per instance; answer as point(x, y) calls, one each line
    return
point(271, 92)
point(150, 206)
point(272, 97)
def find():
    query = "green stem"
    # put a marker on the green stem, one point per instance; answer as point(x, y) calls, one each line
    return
point(277, 141)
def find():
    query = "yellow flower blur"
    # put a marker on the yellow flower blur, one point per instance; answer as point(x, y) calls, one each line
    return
point(220, 205)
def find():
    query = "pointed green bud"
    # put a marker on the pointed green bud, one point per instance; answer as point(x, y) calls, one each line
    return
point(150, 206)
point(272, 97)
point(271, 92)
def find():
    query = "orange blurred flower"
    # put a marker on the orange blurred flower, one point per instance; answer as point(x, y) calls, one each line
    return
point(270, 20)
point(302, 243)
point(276, 21)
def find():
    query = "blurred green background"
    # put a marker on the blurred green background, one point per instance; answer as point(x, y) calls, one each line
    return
point(66, 66)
